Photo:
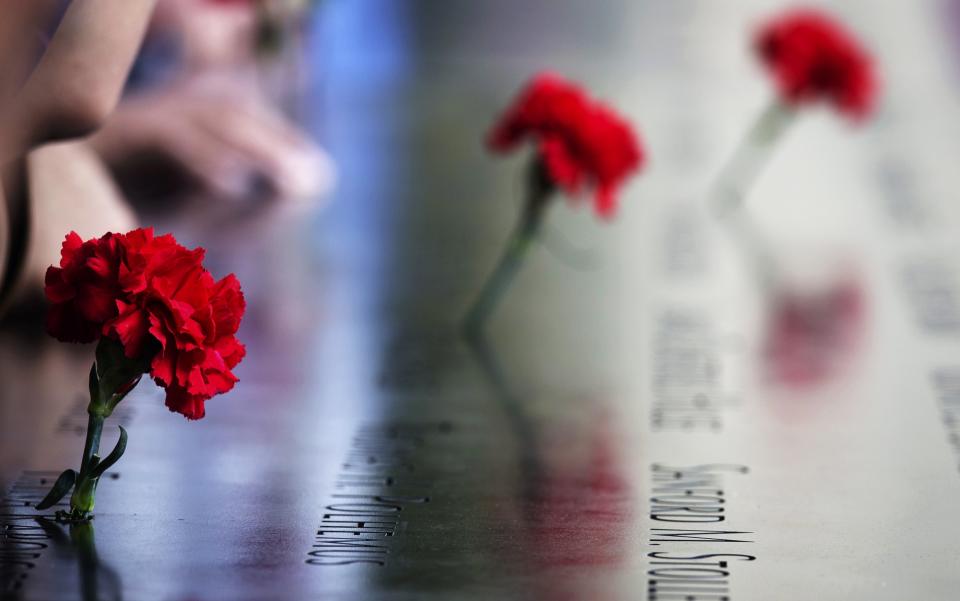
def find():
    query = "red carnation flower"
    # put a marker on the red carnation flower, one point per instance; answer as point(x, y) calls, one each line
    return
point(580, 141)
point(155, 297)
point(813, 57)
point(84, 288)
point(156, 310)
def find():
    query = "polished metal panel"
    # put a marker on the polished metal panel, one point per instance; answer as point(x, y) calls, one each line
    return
point(633, 388)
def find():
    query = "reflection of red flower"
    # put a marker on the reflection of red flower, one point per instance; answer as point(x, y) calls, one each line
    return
point(813, 57)
point(577, 508)
point(809, 336)
point(156, 298)
point(580, 141)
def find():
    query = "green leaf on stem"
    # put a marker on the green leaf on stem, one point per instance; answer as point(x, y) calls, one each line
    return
point(61, 487)
point(113, 457)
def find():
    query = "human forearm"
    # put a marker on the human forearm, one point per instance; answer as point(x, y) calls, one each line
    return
point(80, 77)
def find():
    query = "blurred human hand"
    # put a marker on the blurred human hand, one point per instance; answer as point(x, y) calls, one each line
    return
point(214, 133)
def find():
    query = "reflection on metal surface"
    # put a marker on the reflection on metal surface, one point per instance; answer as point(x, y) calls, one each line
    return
point(541, 486)
point(813, 335)
point(98, 581)
point(575, 501)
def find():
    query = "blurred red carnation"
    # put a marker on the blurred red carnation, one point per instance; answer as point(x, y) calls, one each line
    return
point(156, 298)
point(813, 57)
point(580, 141)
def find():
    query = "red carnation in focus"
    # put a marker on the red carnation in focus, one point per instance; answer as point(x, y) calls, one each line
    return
point(811, 57)
point(155, 297)
point(580, 141)
point(84, 288)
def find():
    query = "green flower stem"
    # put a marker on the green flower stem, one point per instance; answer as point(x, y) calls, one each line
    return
point(733, 184)
point(510, 261)
point(540, 188)
point(112, 377)
point(730, 191)
point(92, 445)
point(82, 499)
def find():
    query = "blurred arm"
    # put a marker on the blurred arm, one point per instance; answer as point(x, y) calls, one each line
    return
point(80, 77)
point(69, 94)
